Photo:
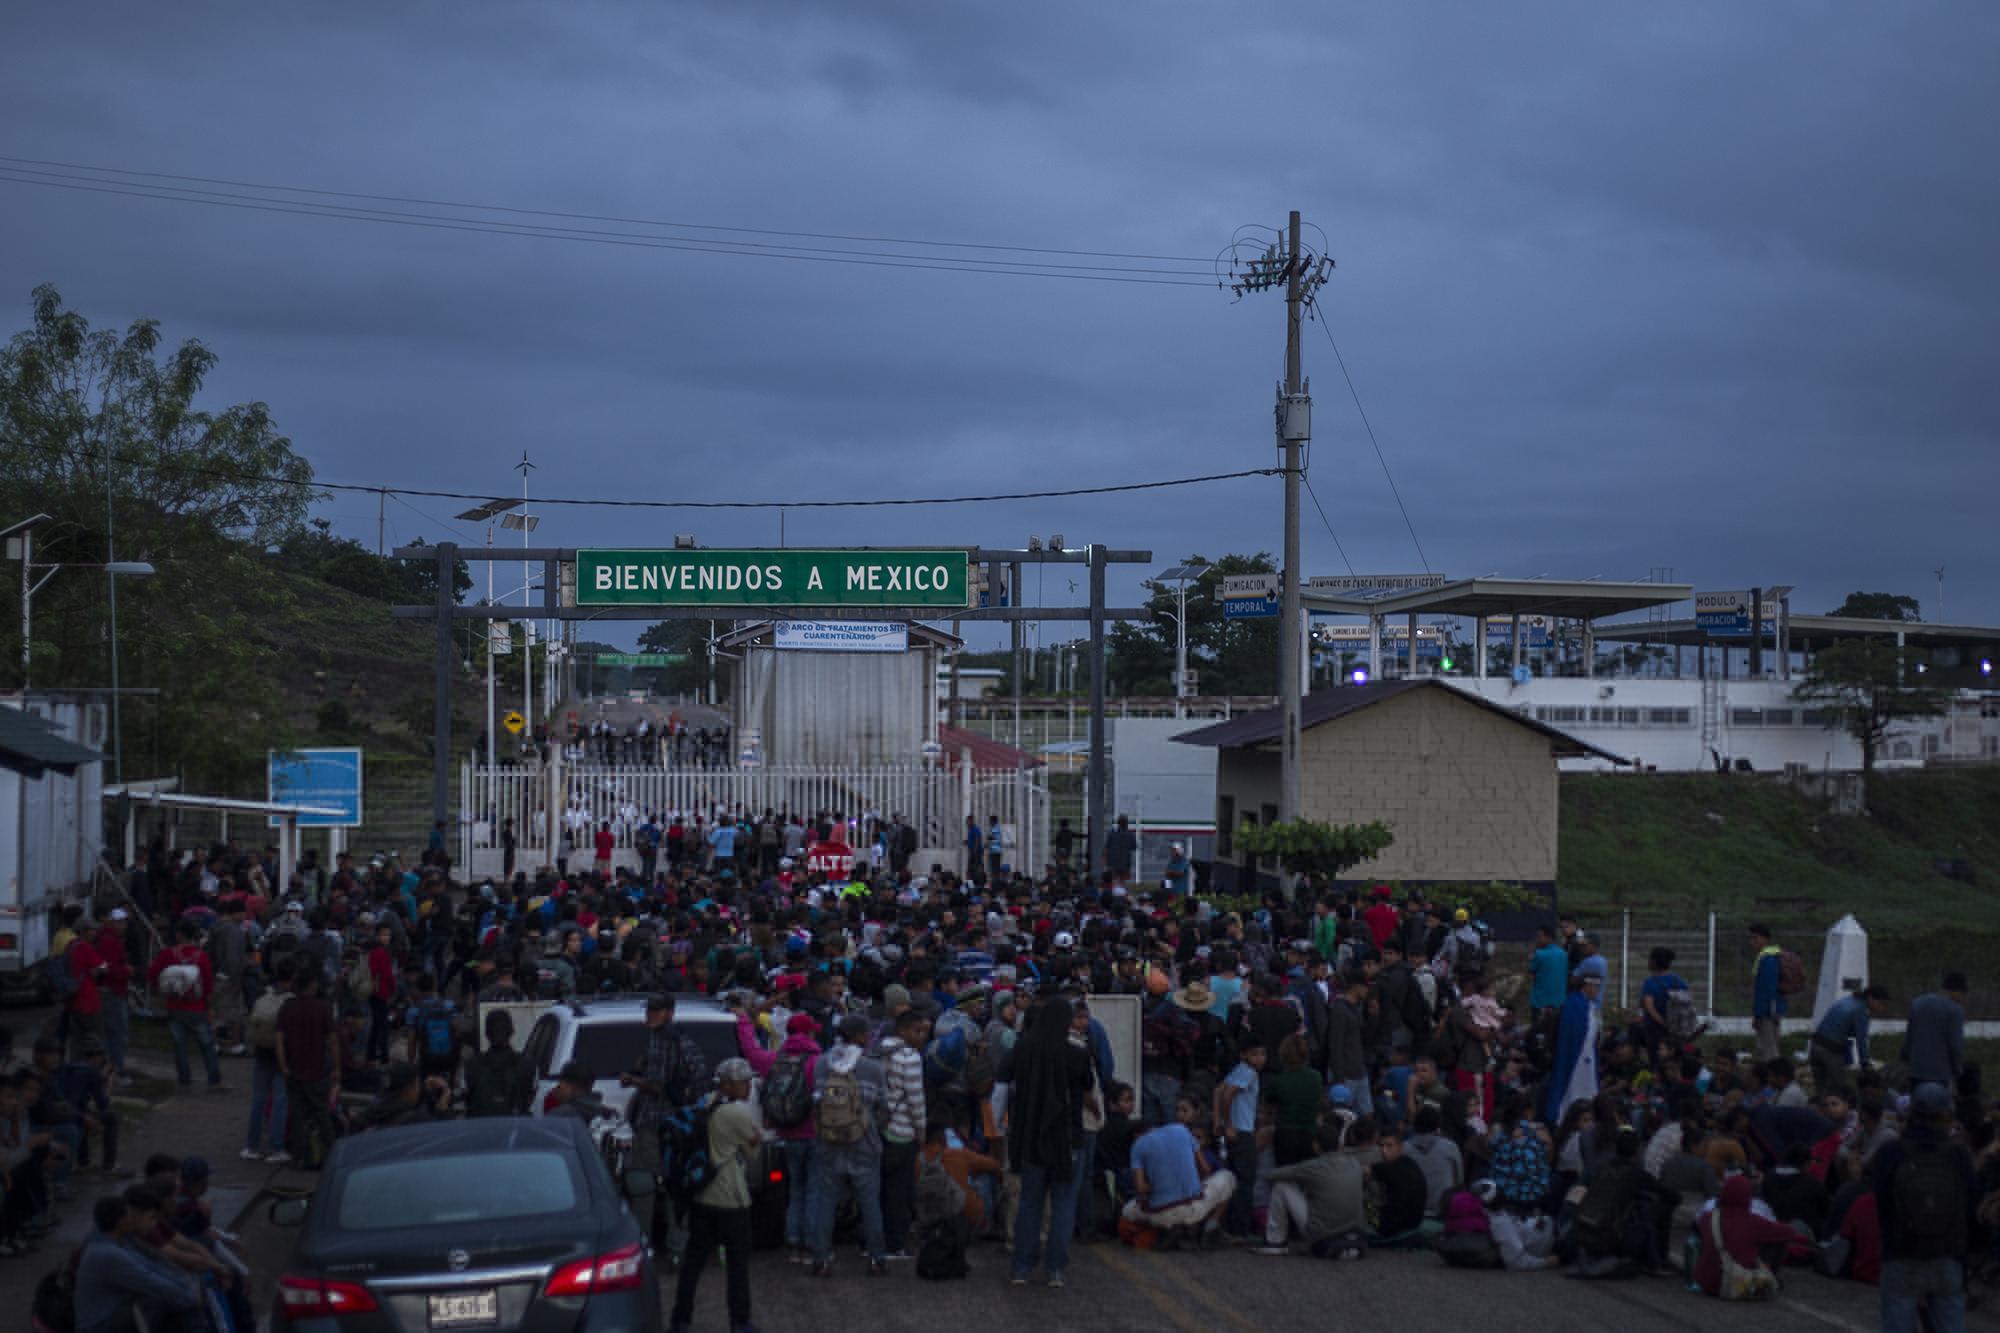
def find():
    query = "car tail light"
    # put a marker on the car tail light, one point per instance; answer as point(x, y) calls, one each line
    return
point(10, 941)
point(319, 1298)
point(620, 1270)
point(777, 1177)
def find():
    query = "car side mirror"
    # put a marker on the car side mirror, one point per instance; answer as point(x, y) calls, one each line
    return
point(289, 1212)
point(640, 1184)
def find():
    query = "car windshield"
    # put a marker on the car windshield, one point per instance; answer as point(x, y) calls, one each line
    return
point(610, 1049)
point(457, 1188)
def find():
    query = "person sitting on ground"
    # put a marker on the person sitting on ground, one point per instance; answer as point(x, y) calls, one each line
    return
point(118, 1274)
point(1325, 1196)
point(1404, 1189)
point(407, 1098)
point(1174, 1191)
point(1442, 1163)
point(1749, 1238)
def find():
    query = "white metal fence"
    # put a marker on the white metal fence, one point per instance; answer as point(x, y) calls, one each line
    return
point(558, 804)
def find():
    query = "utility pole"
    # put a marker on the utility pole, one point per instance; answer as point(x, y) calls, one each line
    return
point(527, 599)
point(1294, 427)
point(381, 503)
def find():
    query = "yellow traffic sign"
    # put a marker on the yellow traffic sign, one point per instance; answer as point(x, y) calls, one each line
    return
point(514, 721)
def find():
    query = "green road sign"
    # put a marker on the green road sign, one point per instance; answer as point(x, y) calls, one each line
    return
point(641, 659)
point(788, 577)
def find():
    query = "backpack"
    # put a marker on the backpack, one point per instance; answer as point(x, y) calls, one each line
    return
point(490, 1082)
point(361, 979)
point(63, 984)
point(1167, 1035)
point(1683, 1021)
point(1520, 1168)
point(839, 1105)
point(1791, 973)
point(1737, 1282)
point(180, 979)
point(1929, 1199)
point(684, 1082)
point(787, 1093)
point(980, 1071)
point(686, 1164)
point(1601, 1217)
point(263, 1020)
point(939, 1198)
point(434, 1025)
point(941, 1256)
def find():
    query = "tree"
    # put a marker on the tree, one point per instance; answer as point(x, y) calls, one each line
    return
point(1862, 684)
point(1230, 656)
point(1311, 847)
point(1878, 606)
point(689, 675)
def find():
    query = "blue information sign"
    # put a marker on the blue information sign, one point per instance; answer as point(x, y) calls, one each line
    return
point(1249, 608)
point(326, 778)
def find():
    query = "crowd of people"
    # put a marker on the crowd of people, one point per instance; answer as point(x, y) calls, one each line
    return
point(1328, 1074)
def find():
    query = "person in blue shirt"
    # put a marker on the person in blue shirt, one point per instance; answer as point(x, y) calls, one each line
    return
point(1236, 1102)
point(1550, 968)
point(722, 839)
point(1173, 1188)
point(116, 1276)
point(1661, 981)
point(1840, 1042)
point(974, 841)
point(1767, 1006)
point(1589, 965)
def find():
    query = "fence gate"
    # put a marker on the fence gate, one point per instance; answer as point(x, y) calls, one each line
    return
point(557, 806)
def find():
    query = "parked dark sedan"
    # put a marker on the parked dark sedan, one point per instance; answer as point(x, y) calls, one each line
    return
point(485, 1226)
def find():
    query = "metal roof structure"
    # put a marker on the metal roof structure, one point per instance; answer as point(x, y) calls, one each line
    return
point(148, 794)
point(1586, 599)
point(1323, 706)
point(30, 745)
point(1818, 630)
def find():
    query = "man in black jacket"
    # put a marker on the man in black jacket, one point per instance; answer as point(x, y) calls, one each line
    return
point(1924, 1196)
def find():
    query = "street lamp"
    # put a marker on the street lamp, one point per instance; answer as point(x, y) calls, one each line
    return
point(1181, 575)
point(486, 513)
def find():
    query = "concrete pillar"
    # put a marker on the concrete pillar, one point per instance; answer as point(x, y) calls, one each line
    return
point(1374, 646)
point(1479, 645)
point(1515, 665)
point(1412, 671)
point(1589, 650)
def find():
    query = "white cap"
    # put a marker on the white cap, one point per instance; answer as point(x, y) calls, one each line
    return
point(1064, 939)
point(117, 914)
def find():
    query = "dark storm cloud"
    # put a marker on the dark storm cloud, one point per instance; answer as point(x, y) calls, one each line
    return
point(1702, 286)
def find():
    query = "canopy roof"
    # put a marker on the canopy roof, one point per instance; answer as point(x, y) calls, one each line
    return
point(1817, 629)
point(1585, 600)
point(30, 745)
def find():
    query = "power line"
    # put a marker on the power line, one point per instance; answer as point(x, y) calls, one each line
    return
point(183, 194)
point(1320, 319)
point(271, 479)
point(1307, 479)
point(490, 227)
point(596, 217)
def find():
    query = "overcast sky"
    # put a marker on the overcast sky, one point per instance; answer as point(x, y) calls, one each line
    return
point(1706, 287)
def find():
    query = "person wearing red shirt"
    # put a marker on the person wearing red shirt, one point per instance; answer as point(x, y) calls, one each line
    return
point(188, 1006)
point(1382, 918)
point(1744, 1232)
point(381, 971)
point(86, 1002)
point(605, 843)
point(115, 981)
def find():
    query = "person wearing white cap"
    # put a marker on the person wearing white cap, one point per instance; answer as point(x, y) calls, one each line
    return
point(114, 986)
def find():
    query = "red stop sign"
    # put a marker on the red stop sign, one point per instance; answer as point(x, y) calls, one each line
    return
point(835, 860)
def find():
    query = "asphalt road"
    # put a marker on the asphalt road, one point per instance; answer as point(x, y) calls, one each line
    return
point(1112, 1289)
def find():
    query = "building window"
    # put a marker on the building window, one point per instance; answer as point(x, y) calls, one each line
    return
point(1777, 717)
point(1225, 827)
point(1746, 717)
point(1815, 717)
point(1669, 717)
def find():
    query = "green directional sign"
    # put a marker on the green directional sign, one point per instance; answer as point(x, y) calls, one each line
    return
point(641, 659)
point(784, 577)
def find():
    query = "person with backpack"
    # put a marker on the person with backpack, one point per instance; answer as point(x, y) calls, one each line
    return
point(1924, 1199)
point(1665, 1005)
point(1767, 999)
point(185, 980)
point(671, 1074)
point(433, 1027)
point(493, 1082)
point(1734, 1240)
point(267, 1081)
point(850, 1089)
point(787, 1102)
point(719, 1211)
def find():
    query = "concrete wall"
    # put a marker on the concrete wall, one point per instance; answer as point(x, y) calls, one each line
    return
point(1469, 794)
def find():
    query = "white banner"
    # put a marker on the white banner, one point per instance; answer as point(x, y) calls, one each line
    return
point(844, 636)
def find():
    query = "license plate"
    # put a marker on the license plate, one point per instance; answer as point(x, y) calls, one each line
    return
point(465, 1309)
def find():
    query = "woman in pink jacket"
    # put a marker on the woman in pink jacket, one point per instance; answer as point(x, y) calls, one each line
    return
point(786, 1101)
